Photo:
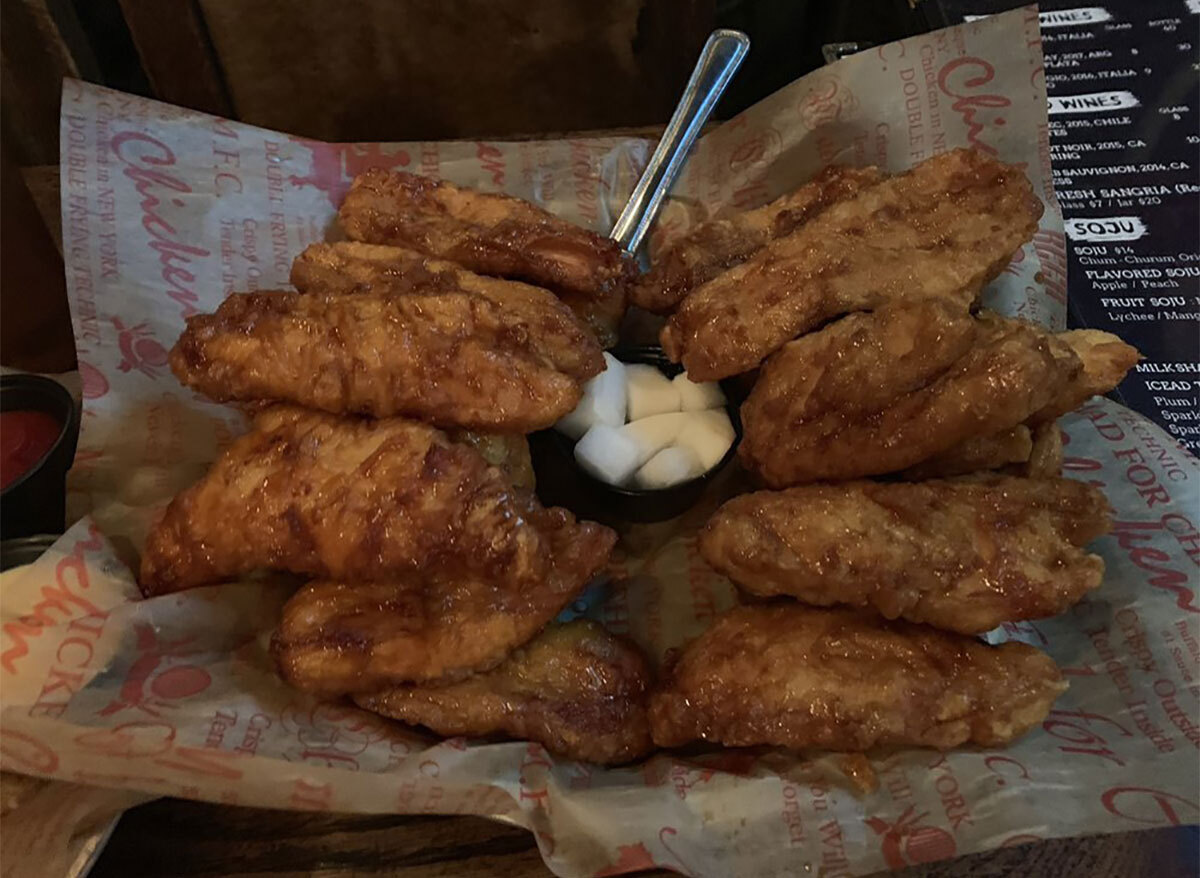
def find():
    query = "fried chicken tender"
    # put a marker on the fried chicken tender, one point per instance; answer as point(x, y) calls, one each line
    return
point(1106, 360)
point(509, 452)
point(879, 392)
point(801, 677)
point(576, 689)
point(1046, 456)
point(354, 267)
point(454, 359)
point(976, 454)
point(336, 637)
point(725, 241)
point(963, 556)
point(941, 231)
point(361, 500)
point(483, 232)
point(602, 316)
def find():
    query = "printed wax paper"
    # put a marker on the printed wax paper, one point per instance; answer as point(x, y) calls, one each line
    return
point(166, 211)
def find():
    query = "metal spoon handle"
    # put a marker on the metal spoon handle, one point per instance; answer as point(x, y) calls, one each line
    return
point(722, 55)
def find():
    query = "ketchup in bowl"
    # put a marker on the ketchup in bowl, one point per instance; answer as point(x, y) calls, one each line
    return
point(26, 436)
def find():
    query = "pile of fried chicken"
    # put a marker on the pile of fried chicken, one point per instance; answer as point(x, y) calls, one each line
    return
point(905, 436)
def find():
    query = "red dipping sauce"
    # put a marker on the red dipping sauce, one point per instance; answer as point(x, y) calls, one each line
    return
point(25, 437)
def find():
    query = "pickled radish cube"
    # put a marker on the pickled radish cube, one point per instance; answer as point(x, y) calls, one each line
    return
point(709, 434)
point(648, 392)
point(654, 433)
point(671, 466)
point(607, 454)
point(603, 401)
point(698, 397)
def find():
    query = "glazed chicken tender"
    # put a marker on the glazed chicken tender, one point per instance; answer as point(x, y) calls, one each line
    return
point(721, 243)
point(355, 267)
point(880, 392)
point(484, 232)
point(959, 555)
point(359, 500)
point(576, 689)
point(940, 231)
point(801, 677)
point(456, 359)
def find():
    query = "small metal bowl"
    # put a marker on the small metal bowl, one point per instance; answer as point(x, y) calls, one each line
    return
point(24, 550)
point(35, 503)
point(561, 481)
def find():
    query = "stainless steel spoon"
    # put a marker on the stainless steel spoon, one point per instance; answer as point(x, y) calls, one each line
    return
point(722, 55)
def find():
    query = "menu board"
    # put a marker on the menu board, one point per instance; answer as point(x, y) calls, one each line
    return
point(1122, 81)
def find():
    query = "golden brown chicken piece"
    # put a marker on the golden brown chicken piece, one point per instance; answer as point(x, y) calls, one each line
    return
point(725, 241)
point(483, 232)
point(354, 267)
point(942, 230)
point(576, 689)
point(879, 392)
point(337, 637)
point(361, 500)
point(801, 677)
point(1106, 360)
point(508, 452)
point(976, 454)
point(1046, 456)
point(454, 359)
point(959, 555)
point(602, 316)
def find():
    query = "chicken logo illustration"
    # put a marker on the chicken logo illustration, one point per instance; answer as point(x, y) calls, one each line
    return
point(156, 678)
point(826, 102)
point(907, 843)
point(334, 165)
point(755, 150)
point(95, 385)
point(630, 858)
point(139, 349)
point(686, 777)
point(637, 857)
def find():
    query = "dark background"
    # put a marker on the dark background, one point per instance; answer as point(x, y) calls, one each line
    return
point(413, 69)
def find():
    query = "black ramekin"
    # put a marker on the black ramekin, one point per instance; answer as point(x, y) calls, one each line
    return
point(561, 481)
point(36, 502)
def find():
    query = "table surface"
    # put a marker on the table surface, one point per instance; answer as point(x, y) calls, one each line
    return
point(170, 837)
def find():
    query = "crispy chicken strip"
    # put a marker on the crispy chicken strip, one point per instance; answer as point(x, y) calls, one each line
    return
point(942, 230)
point(354, 267)
point(725, 241)
point(877, 393)
point(1106, 360)
point(576, 689)
point(509, 452)
point(976, 454)
point(487, 233)
point(454, 359)
point(801, 677)
point(1046, 456)
point(361, 500)
point(601, 315)
point(337, 637)
point(959, 555)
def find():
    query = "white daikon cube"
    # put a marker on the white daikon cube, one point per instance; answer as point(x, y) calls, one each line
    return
point(608, 455)
point(603, 401)
point(648, 392)
point(698, 397)
point(654, 433)
point(709, 434)
point(671, 466)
